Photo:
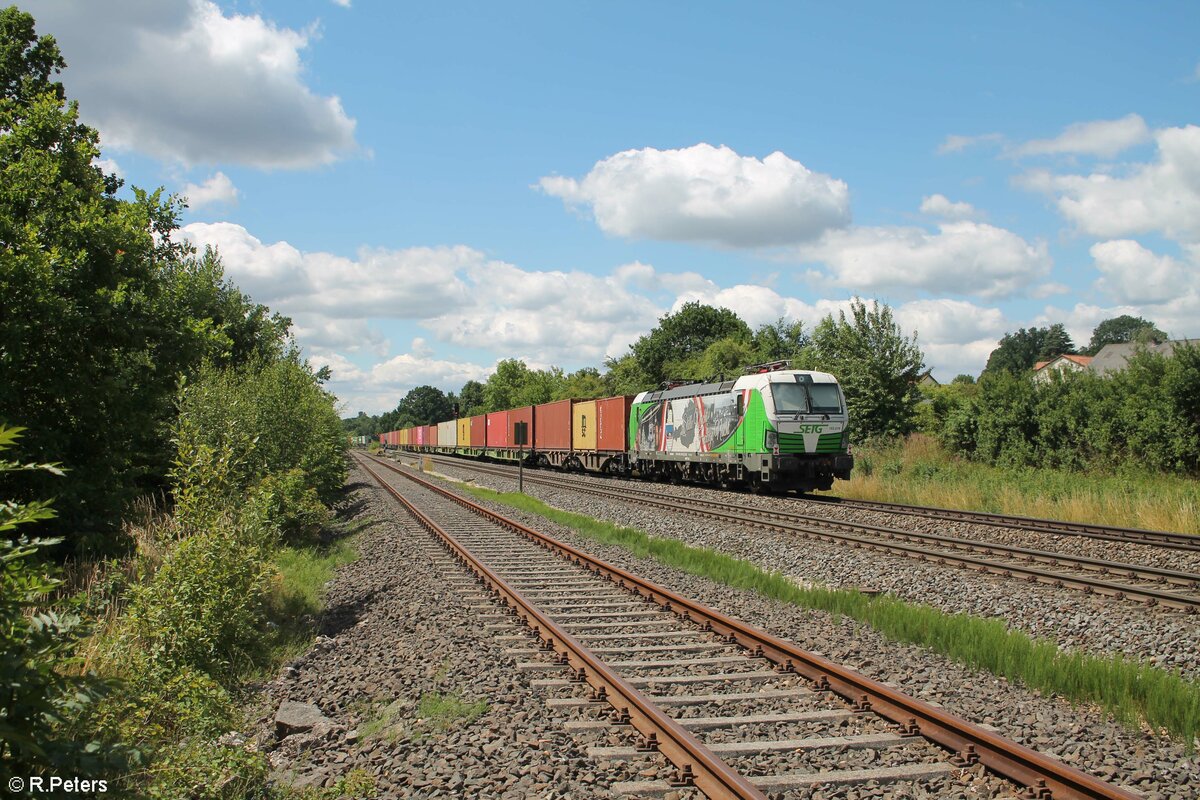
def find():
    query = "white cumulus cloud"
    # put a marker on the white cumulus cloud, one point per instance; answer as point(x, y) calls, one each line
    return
point(939, 205)
point(550, 316)
point(379, 386)
point(109, 167)
point(456, 293)
point(758, 305)
point(216, 189)
point(1104, 138)
point(1160, 196)
point(707, 194)
point(398, 284)
point(955, 143)
point(966, 258)
point(181, 80)
point(1135, 274)
point(956, 336)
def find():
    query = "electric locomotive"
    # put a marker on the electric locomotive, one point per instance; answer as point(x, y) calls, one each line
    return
point(772, 429)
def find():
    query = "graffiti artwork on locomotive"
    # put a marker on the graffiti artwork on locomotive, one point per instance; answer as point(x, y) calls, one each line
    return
point(774, 428)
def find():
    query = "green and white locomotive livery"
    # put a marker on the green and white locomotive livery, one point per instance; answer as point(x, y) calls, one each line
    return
point(780, 430)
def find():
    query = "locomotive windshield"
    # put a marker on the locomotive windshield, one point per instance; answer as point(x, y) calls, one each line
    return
point(823, 398)
point(810, 398)
point(790, 398)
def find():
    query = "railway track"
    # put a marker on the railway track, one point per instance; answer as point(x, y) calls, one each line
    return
point(1175, 541)
point(1167, 539)
point(740, 713)
point(1152, 586)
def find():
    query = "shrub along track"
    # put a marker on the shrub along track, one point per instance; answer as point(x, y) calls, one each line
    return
point(523, 564)
point(1152, 586)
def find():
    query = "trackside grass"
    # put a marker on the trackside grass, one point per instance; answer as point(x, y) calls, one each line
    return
point(1133, 692)
point(297, 593)
point(920, 471)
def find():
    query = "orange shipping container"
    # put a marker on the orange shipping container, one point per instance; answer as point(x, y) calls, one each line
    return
point(479, 430)
point(552, 429)
point(583, 425)
point(497, 429)
point(612, 423)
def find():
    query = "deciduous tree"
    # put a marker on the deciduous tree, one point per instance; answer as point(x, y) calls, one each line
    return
point(685, 333)
point(1018, 352)
point(877, 365)
point(1125, 328)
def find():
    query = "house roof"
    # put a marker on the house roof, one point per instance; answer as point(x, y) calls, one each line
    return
point(1114, 357)
point(1082, 361)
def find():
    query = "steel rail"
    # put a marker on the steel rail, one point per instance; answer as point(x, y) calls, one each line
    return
point(837, 531)
point(697, 765)
point(1045, 777)
point(1111, 533)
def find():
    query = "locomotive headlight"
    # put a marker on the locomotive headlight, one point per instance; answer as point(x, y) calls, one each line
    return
point(772, 440)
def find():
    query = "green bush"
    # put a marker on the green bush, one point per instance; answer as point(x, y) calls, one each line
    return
point(200, 770)
point(1147, 414)
point(265, 420)
point(204, 606)
point(157, 705)
point(39, 698)
point(289, 504)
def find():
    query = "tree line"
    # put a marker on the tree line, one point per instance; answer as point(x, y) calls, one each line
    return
point(877, 363)
point(1020, 351)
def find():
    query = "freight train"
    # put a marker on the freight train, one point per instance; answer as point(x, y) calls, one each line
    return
point(773, 429)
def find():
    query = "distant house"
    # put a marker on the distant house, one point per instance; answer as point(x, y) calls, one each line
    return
point(1115, 357)
point(1064, 363)
point(926, 379)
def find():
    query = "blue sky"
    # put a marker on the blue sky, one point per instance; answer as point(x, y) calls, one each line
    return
point(428, 189)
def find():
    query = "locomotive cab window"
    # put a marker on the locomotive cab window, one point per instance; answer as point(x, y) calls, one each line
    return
point(789, 398)
point(823, 398)
point(806, 398)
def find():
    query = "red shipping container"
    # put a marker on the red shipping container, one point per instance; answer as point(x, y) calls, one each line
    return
point(431, 435)
point(479, 430)
point(612, 422)
point(553, 428)
point(524, 414)
point(498, 432)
